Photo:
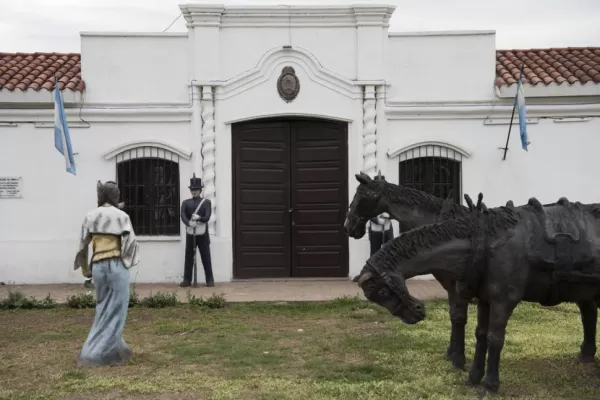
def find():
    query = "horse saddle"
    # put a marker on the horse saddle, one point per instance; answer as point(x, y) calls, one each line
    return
point(566, 249)
point(569, 253)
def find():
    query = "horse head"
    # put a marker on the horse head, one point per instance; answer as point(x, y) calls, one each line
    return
point(365, 205)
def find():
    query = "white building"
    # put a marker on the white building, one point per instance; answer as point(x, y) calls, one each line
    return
point(428, 109)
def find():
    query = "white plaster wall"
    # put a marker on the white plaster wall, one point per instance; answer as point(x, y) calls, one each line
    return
point(559, 161)
point(444, 67)
point(135, 68)
point(242, 48)
point(39, 233)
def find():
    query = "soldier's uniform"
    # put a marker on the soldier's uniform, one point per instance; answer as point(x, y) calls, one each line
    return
point(196, 212)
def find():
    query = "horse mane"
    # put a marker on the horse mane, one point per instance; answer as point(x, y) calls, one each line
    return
point(413, 242)
point(416, 198)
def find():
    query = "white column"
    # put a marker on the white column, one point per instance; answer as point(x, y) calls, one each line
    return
point(196, 127)
point(383, 136)
point(369, 132)
point(208, 153)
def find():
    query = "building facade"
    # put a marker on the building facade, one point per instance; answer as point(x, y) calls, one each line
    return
point(276, 109)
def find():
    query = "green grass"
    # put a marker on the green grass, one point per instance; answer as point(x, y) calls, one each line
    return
point(344, 349)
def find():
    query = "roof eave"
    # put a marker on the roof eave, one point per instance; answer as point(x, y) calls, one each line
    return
point(550, 90)
point(19, 97)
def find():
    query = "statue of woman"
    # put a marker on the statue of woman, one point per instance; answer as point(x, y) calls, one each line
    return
point(115, 250)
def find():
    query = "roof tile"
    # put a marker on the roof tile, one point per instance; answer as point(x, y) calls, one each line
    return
point(548, 66)
point(36, 71)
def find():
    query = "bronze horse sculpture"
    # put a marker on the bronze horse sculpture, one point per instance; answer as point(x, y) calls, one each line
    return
point(545, 254)
point(415, 208)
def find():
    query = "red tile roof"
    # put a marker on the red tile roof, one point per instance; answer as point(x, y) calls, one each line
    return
point(547, 66)
point(37, 71)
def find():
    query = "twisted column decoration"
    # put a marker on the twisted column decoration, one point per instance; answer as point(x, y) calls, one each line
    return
point(369, 132)
point(208, 153)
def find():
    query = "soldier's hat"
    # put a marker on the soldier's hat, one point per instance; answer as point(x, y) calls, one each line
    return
point(379, 177)
point(195, 183)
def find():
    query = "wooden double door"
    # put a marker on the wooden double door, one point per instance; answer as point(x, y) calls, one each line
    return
point(290, 199)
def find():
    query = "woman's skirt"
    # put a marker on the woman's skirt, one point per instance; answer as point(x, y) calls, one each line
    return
point(104, 344)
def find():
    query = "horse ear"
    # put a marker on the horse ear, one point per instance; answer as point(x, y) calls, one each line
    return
point(479, 201)
point(449, 197)
point(363, 178)
point(469, 202)
point(363, 278)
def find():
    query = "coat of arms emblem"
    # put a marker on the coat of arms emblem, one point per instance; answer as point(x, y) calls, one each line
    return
point(288, 84)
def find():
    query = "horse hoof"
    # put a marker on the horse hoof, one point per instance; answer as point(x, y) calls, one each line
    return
point(470, 383)
point(458, 367)
point(474, 378)
point(586, 359)
point(491, 386)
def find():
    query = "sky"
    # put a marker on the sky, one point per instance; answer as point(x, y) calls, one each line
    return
point(54, 25)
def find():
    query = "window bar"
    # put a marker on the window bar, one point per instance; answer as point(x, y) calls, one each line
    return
point(163, 221)
point(132, 184)
point(172, 181)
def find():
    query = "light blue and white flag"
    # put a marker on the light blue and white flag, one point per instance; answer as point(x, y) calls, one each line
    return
point(520, 104)
point(62, 139)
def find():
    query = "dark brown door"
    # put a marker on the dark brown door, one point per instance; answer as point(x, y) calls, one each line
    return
point(291, 195)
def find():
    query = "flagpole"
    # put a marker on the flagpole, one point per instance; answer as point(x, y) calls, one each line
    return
point(513, 113)
point(509, 129)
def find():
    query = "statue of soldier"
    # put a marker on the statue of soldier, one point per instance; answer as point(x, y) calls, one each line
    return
point(195, 214)
point(380, 227)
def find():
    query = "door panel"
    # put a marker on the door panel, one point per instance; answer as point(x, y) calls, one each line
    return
point(261, 203)
point(291, 197)
point(319, 199)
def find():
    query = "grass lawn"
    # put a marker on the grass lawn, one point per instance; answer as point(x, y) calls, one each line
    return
point(345, 349)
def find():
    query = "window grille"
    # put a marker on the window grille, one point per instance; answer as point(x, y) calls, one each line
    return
point(148, 179)
point(432, 169)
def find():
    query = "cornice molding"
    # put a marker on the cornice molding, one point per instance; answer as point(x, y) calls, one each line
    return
point(147, 114)
point(202, 14)
point(486, 110)
point(287, 16)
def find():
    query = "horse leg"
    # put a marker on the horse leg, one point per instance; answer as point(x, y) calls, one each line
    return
point(589, 318)
point(449, 286)
point(459, 307)
point(500, 313)
point(481, 344)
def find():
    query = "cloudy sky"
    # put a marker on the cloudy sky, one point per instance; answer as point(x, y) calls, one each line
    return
point(54, 25)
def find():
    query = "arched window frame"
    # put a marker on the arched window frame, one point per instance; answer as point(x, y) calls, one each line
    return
point(430, 155)
point(133, 165)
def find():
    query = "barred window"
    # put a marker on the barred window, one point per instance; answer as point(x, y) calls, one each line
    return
point(432, 169)
point(148, 178)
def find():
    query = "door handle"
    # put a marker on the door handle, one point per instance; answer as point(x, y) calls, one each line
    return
point(290, 210)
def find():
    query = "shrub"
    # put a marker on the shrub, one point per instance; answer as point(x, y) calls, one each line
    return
point(81, 300)
point(213, 302)
point(134, 299)
point(17, 300)
point(160, 300)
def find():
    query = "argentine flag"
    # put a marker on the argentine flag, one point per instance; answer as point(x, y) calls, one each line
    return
point(520, 104)
point(62, 139)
